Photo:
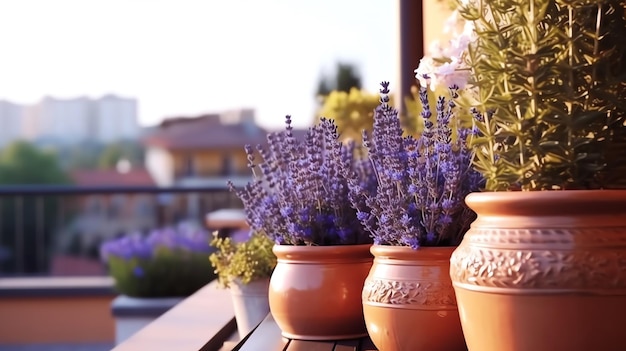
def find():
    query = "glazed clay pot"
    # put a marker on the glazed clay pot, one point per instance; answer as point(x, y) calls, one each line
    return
point(408, 300)
point(543, 271)
point(315, 291)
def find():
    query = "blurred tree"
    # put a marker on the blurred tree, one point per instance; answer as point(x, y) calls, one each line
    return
point(84, 155)
point(72, 156)
point(112, 153)
point(323, 88)
point(23, 163)
point(32, 219)
point(346, 77)
point(339, 97)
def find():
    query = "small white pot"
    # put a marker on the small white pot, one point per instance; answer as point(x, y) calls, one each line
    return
point(251, 304)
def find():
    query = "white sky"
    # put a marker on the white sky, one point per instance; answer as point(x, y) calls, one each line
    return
point(185, 57)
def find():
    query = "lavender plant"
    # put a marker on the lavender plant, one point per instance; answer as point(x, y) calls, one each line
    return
point(299, 196)
point(166, 262)
point(421, 182)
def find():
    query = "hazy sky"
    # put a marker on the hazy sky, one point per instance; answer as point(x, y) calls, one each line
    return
point(185, 57)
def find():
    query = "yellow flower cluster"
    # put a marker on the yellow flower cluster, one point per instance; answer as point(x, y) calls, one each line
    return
point(352, 112)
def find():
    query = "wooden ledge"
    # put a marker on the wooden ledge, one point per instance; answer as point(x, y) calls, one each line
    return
point(56, 286)
point(126, 306)
point(202, 321)
point(227, 218)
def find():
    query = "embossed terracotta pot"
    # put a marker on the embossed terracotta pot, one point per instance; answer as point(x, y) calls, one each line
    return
point(543, 271)
point(315, 291)
point(408, 300)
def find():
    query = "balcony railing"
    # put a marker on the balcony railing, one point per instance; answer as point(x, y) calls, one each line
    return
point(40, 226)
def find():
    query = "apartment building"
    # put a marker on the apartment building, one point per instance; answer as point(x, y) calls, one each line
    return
point(105, 119)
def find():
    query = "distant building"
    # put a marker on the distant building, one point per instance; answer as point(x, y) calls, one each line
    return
point(122, 176)
point(11, 118)
point(115, 119)
point(106, 119)
point(66, 121)
point(205, 150)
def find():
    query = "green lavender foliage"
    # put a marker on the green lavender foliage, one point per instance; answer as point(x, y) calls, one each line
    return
point(551, 88)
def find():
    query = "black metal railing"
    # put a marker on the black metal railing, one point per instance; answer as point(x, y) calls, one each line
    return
point(39, 223)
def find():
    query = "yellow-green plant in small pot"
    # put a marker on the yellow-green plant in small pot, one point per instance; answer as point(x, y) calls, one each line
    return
point(542, 266)
point(245, 268)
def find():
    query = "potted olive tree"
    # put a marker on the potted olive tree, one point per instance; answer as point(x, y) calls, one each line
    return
point(542, 267)
point(245, 268)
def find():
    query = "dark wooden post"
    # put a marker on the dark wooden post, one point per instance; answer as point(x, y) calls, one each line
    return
point(411, 35)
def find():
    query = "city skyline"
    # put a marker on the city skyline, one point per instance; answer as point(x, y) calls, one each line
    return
point(186, 58)
point(106, 119)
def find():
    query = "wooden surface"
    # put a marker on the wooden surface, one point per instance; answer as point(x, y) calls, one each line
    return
point(200, 322)
point(267, 337)
point(227, 218)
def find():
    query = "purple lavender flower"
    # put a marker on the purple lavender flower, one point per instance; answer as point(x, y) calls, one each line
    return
point(145, 247)
point(138, 272)
point(302, 195)
point(420, 183)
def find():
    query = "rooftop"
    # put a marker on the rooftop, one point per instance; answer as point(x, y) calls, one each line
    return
point(207, 131)
point(112, 177)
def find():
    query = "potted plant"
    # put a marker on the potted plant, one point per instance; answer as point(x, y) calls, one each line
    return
point(542, 267)
point(351, 110)
point(154, 272)
point(416, 217)
point(245, 267)
point(299, 198)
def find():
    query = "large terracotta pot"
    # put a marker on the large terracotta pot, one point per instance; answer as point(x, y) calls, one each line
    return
point(315, 291)
point(543, 271)
point(408, 300)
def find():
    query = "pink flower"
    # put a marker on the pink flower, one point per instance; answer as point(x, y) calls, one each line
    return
point(450, 74)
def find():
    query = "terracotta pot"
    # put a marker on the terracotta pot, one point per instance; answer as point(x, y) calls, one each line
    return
point(408, 300)
point(315, 291)
point(543, 271)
